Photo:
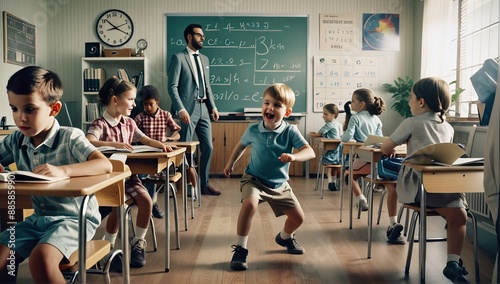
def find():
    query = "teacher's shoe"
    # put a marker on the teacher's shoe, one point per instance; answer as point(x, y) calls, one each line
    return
point(208, 190)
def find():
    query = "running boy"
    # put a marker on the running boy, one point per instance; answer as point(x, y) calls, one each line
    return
point(40, 145)
point(153, 121)
point(272, 141)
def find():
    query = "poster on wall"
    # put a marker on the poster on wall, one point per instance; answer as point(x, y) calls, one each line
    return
point(336, 77)
point(337, 31)
point(19, 41)
point(380, 32)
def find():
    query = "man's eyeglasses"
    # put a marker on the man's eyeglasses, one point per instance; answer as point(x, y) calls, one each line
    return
point(200, 35)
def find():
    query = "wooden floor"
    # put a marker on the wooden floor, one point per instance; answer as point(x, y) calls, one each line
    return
point(334, 253)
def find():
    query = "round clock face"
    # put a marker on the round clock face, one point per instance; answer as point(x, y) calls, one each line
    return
point(114, 28)
point(142, 44)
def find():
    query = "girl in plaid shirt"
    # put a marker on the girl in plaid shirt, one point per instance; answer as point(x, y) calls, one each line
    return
point(115, 128)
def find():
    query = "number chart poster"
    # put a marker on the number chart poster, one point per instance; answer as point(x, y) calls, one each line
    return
point(336, 77)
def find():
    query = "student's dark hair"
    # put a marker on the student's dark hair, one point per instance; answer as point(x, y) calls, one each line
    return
point(113, 87)
point(149, 92)
point(33, 79)
point(282, 93)
point(348, 115)
point(333, 109)
point(374, 105)
point(435, 92)
point(189, 30)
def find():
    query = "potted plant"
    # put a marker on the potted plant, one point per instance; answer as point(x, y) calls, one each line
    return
point(401, 95)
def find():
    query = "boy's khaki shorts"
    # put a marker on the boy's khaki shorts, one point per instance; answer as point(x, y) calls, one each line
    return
point(280, 198)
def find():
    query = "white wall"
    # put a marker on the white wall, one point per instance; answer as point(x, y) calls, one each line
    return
point(34, 13)
point(71, 23)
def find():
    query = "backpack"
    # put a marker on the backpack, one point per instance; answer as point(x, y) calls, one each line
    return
point(388, 168)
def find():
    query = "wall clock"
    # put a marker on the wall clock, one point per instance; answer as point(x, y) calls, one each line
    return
point(114, 28)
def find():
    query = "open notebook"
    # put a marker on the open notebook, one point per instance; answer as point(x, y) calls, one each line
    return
point(445, 154)
point(26, 176)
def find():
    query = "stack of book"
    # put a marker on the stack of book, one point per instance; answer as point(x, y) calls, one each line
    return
point(93, 111)
point(93, 78)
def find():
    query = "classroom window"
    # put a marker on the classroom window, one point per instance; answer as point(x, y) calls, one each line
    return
point(462, 35)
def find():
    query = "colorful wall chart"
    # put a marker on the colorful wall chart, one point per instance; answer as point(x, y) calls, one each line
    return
point(336, 77)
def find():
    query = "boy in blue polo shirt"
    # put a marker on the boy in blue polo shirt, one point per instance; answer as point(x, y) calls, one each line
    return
point(265, 179)
point(47, 237)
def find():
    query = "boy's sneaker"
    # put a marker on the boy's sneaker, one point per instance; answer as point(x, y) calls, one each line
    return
point(394, 234)
point(291, 244)
point(137, 254)
point(332, 186)
point(157, 212)
point(190, 191)
point(456, 272)
point(364, 205)
point(239, 260)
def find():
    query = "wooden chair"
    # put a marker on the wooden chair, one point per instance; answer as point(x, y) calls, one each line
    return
point(369, 189)
point(322, 171)
point(98, 249)
point(431, 213)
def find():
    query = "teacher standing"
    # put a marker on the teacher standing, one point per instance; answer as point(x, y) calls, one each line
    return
point(192, 98)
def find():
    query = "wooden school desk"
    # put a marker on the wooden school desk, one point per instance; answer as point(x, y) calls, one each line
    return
point(373, 155)
point(153, 163)
point(77, 186)
point(191, 148)
point(442, 179)
point(349, 147)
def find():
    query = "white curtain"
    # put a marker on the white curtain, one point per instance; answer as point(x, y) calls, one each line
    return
point(438, 31)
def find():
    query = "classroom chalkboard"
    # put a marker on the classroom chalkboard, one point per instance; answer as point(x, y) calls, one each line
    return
point(247, 54)
point(19, 40)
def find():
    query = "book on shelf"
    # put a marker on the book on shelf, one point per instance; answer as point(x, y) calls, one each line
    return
point(122, 74)
point(136, 149)
point(93, 79)
point(445, 154)
point(93, 111)
point(26, 176)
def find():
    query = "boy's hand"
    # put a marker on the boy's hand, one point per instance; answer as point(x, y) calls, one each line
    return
point(227, 171)
point(2, 168)
point(286, 158)
point(49, 170)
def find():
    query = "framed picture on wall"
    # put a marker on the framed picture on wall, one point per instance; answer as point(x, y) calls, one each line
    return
point(19, 41)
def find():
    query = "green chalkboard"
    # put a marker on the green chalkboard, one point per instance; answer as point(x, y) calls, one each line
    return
point(247, 53)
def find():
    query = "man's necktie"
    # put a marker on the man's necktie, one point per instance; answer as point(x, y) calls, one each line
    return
point(201, 82)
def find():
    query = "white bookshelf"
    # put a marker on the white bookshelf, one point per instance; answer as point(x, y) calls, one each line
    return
point(133, 65)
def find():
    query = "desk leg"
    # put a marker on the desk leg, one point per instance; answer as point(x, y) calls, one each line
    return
point(82, 239)
point(351, 154)
point(167, 222)
point(125, 243)
point(422, 238)
point(370, 193)
point(342, 184)
point(319, 175)
point(184, 195)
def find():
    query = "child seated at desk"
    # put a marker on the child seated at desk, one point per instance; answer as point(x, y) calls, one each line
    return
point(40, 145)
point(429, 101)
point(115, 128)
point(361, 124)
point(332, 129)
point(154, 121)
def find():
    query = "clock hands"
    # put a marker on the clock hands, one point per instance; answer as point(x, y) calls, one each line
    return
point(116, 27)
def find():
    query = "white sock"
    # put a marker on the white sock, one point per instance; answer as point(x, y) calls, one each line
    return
point(284, 235)
point(329, 179)
point(361, 197)
point(453, 257)
point(111, 238)
point(242, 241)
point(140, 234)
point(392, 220)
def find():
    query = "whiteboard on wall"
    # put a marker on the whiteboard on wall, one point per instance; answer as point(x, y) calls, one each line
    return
point(336, 77)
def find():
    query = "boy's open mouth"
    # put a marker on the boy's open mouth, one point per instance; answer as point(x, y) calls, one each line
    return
point(269, 115)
